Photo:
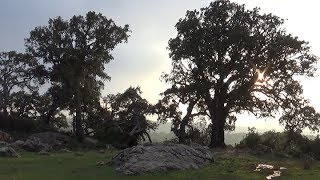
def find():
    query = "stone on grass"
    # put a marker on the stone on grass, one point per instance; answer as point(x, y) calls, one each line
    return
point(43, 152)
point(54, 139)
point(17, 144)
point(46, 141)
point(34, 144)
point(8, 152)
point(89, 141)
point(155, 158)
point(65, 150)
point(3, 144)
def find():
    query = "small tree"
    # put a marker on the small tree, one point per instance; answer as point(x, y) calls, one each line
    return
point(129, 112)
point(75, 53)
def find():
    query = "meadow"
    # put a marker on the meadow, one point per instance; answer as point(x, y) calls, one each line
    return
point(83, 166)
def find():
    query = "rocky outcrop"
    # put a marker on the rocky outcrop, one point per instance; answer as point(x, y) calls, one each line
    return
point(90, 142)
point(46, 141)
point(150, 158)
point(8, 152)
point(56, 140)
point(34, 144)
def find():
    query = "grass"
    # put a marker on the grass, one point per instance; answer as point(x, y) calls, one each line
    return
point(60, 166)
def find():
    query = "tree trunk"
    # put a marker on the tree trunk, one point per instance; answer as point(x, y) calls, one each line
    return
point(5, 102)
point(217, 130)
point(218, 118)
point(181, 132)
point(78, 119)
point(48, 116)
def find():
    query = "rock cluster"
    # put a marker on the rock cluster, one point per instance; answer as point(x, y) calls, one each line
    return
point(7, 151)
point(151, 158)
point(44, 141)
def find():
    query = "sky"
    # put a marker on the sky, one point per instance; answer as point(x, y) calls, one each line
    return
point(142, 60)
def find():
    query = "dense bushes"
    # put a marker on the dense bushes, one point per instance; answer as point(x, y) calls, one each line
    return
point(288, 142)
point(14, 123)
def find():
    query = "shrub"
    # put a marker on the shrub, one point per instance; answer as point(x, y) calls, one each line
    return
point(251, 140)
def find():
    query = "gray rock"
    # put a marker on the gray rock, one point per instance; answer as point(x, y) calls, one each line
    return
point(46, 141)
point(161, 158)
point(109, 147)
point(35, 145)
point(3, 144)
point(43, 152)
point(64, 150)
point(88, 141)
point(8, 152)
point(17, 144)
point(56, 140)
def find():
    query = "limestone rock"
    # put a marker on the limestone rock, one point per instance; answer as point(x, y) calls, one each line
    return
point(46, 141)
point(161, 158)
point(65, 150)
point(17, 144)
point(3, 144)
point(54, 139)
point(88, 141)
point(35, 145)
point(8, 152)
point(43, 152)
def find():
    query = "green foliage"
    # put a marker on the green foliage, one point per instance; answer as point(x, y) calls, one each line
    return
point(18, 78)
point(291, 143)
point(16, 123)
point(123, 120)
point(251, 140)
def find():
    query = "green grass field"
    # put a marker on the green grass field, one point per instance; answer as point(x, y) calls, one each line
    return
point(60, 166)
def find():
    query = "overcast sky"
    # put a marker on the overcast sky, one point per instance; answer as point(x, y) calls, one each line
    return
point(142, 60)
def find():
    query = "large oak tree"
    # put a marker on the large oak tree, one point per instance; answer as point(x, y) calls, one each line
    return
point(74, 53)
point(227, 59)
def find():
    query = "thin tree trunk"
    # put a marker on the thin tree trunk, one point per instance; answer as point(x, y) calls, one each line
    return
point(78, 119)
point(182, 135)
point(6, 93)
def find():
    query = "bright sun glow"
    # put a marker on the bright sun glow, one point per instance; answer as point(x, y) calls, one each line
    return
point(261, 79)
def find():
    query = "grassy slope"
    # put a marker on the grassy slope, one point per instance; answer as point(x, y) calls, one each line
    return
point(62, 166)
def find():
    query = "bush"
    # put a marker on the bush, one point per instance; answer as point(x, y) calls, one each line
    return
point(21, 124)
point(251, 140)
point(288, 142)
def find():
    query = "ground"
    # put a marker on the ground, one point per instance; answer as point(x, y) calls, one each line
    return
point(83, 166)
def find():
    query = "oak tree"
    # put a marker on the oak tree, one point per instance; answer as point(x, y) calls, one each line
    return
point(227, 59)
point(74, 53)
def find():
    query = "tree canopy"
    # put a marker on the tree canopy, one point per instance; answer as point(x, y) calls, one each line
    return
point(18, 73)
point(227, 60)
point(74, 53)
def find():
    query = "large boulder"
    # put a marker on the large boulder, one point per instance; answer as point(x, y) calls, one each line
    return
point(150, 158)
point(17, 144)
point(90, 142)
point(34, 144)
point(3, 144)
point(54, 139)
point(8, 152)
point(45, 141)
